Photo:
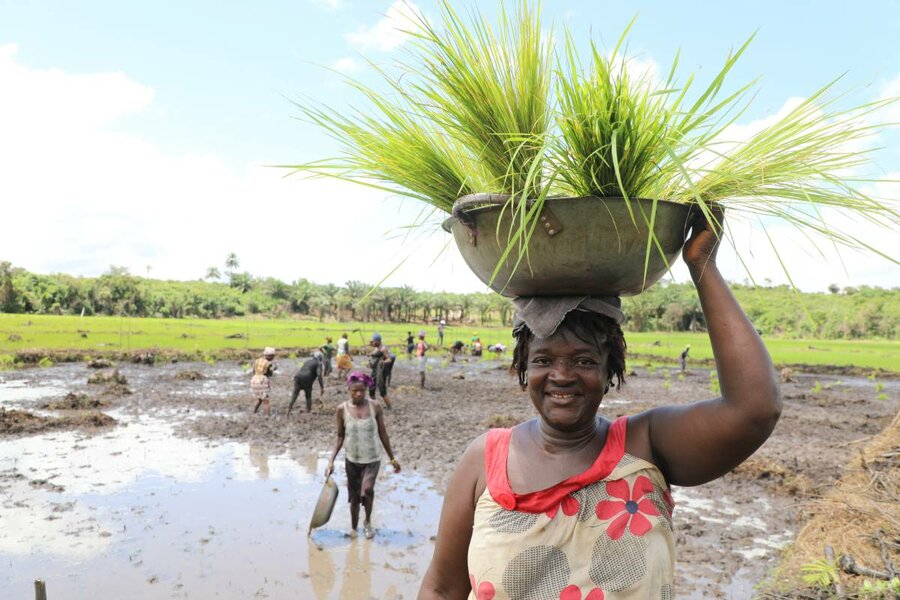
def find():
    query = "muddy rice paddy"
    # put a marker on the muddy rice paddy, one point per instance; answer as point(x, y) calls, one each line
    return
point(161, 484)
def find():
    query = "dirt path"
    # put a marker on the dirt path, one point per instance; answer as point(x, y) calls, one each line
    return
point(729, 532)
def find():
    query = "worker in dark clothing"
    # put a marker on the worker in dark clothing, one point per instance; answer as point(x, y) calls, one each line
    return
point(305, 377)
point(381, 361)
point(683, 358)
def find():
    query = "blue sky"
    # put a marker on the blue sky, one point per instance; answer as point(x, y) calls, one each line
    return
point(136, 131)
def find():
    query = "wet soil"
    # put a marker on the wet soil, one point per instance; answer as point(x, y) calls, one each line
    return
point(729, 532)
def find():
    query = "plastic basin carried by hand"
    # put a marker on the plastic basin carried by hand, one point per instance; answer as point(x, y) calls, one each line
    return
point(325, 504)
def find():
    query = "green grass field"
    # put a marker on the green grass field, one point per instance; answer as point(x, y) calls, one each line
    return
point(103, 334)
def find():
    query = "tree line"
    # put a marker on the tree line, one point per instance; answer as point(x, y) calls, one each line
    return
point(850, 313)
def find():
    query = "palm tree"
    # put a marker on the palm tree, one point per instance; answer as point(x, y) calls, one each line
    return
point(231, 262)
point(213, 273)
point(356, 290)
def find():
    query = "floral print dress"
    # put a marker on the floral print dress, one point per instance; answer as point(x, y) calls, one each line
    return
point(604, 534)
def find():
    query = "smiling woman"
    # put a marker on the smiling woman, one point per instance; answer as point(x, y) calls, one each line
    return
point(573, 505)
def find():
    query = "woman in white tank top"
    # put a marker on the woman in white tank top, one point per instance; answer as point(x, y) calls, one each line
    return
point(362, 433)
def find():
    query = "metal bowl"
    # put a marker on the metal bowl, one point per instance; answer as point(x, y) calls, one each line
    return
point(582, 246)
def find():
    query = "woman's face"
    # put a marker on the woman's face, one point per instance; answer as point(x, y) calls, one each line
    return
point(566, 379)
point(357, 391)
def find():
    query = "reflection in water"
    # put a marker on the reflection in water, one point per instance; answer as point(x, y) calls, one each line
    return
point(259, 458)
point(357, 571)
point(169, 517)
point(321, 569)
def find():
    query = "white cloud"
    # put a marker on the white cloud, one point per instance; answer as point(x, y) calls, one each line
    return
point(80, 195)
point(346, 64)
point(389, 32)
point(331, 5)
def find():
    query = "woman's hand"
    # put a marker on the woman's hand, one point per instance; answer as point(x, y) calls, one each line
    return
point(396, 465)
point(701, 247)
point(329, 470)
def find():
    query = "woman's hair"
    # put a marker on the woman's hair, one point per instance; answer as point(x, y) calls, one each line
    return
point(588, 327)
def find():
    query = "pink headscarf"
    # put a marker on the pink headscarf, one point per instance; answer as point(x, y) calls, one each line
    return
point(356, 376)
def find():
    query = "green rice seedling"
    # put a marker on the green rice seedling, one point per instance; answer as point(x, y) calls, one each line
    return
point(816, 388)
point(881, 396)
point(878, 387)
point(7, 362)
point(46, 362)
point(820, 573)
point(490, 107)
point(667, 385)
point(470, 116)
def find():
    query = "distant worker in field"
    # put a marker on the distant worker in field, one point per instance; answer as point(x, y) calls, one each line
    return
point(456, 349)
point(362, 433)
point(441, 324)
point(304, 378)
point(421, 349)
point(263, 369)
point(382, 364)
point(344, 362)
point(410, 344)
point(684, 357)
point(327, 350)
point(497, 350)
point(477, 347)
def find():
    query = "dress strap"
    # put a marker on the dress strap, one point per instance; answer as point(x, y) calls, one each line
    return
point(496, 454)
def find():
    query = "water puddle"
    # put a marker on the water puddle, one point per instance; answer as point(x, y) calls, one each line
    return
point(741, 528)
point(15, 391)
point(139, 513)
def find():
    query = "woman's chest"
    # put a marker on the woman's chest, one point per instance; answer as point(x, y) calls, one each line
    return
point(613, 536)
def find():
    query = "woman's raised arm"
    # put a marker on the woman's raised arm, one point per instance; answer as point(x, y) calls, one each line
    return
point(699, 442)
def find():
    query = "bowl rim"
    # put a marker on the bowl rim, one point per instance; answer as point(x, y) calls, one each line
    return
point(492, 203)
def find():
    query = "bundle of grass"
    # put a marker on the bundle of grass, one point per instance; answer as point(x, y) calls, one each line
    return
point(859, 519)
point(482, 108)
point(75, 401)
point(112, 376)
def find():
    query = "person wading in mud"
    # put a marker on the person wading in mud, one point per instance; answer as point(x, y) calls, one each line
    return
point(344, 362)
point(382, 363)
point(309, 372)
point(684, 357)
point(263, 369)
point(362, 433)
point(569, 505)
point(410, 344)
point(421, 349)
point(327, 350)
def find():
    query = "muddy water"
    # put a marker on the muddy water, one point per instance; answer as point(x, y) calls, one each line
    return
point(164, 505)
point(138, 513)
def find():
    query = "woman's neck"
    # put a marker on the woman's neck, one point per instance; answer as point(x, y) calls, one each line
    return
point(554, 441)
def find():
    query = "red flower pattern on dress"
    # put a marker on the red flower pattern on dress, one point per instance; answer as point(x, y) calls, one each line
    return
point(569, 506)
point(573, 592)
point(630, 508)
point(484, 591)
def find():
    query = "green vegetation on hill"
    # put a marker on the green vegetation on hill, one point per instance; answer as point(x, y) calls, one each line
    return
point(863, 313)
point(37, 335)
